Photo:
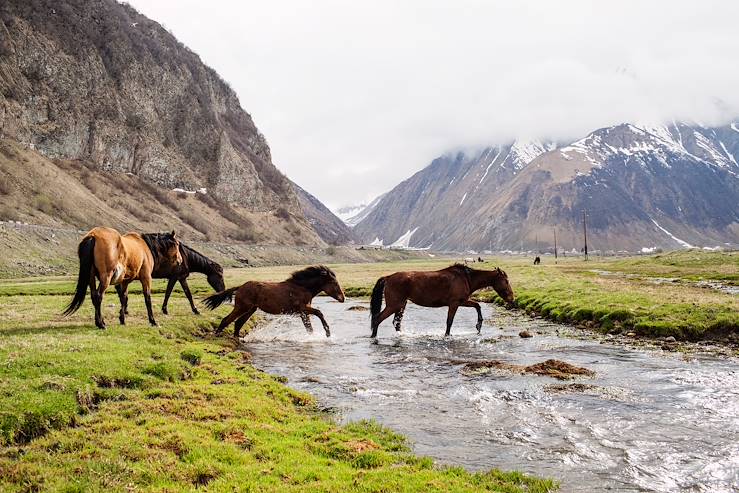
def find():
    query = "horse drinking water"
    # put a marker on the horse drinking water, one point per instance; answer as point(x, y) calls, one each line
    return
point(450, 287)
point(292, 296)
point(117, 259)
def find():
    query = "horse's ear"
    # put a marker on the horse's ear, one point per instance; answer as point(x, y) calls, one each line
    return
point(174, 234)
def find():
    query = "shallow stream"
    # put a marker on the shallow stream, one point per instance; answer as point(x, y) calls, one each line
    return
point(648, 421)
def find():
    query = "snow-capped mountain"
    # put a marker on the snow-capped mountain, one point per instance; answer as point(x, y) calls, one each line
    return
point(353, 214)
point(642, 186)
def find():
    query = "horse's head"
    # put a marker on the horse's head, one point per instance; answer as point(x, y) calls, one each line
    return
point(170, 249)
point(332, 286)
point(215, 278)
point(501, 285)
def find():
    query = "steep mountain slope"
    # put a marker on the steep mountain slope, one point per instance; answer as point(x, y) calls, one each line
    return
point(433, 204)
point(98, 82)
point(642, 186)
point(73, 194)
point(328, 226)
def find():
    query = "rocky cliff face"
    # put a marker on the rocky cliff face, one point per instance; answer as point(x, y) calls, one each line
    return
point(641, 186)
point(95, 80)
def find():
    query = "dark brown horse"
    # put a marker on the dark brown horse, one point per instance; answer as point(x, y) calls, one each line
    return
point(117, 259)
point(450, 287)
point(192, 261)
point(292, 296)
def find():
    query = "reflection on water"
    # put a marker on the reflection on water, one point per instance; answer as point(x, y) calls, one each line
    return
point(648, 421)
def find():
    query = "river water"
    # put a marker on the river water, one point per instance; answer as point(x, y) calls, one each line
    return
point(648, 421)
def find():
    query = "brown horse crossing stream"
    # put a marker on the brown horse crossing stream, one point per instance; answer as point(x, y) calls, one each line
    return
point(649, 420)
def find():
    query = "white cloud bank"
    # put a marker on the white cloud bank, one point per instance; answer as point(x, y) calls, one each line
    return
point(353, 97)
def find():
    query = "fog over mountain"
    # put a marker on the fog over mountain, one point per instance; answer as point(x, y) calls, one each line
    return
point(641, 186)
point(355, 97)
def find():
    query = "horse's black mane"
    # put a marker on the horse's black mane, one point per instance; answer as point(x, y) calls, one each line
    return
point(309, 276)
point(196, 261)
point(461, 269)
point(157, 242)
point(466, 270)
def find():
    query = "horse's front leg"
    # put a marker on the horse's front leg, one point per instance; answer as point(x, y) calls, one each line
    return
point(188, 294)
point(317, 313)
point(476, 306)
point(450, 318)
point(306, 321)
point(170, 286)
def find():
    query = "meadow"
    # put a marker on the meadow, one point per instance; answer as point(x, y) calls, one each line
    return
point(172, 408)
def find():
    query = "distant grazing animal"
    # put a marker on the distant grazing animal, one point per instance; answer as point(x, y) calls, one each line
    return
point(117, 259)
point(192, 261)
point(537, 261)
point(469, 260)
point(479, 259)
point(292, 296)
point(450, 287)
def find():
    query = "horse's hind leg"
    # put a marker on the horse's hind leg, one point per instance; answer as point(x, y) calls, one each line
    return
point(228, 320)
point(398, 318)
point(476, 306)
point(242, 320)
point(97, 299)
point(306, 322)
point(122, 290)
point(381, 317)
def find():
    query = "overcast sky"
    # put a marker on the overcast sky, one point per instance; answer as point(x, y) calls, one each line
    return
point(353, 97)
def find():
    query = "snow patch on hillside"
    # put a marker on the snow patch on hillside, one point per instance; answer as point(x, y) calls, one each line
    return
point(525, 151)
point(405, 240)
point(684, 244)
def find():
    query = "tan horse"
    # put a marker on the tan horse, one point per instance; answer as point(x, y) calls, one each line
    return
point(292, 296)
point(450, 287)
point(118, 260)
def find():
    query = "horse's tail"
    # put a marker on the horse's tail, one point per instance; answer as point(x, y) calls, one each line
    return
point(376, 300)
point(86, 253)
point(216, 300)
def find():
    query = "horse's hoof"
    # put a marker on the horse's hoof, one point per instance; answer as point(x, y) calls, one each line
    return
point(153, 323)
point(164, 311)
point(196, 312)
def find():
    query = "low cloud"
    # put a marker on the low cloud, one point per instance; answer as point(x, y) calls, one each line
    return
point(354, 97)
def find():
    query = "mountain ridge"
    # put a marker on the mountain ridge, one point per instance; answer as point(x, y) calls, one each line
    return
point(652, 188)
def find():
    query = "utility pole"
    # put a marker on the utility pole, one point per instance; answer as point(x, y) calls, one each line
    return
point(555, 245)
point(585, 233)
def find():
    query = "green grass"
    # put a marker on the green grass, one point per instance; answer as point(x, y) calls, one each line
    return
point(175, 409)
point(571, 292)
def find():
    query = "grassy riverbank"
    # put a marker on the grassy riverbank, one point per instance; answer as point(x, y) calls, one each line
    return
point(174, 409)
